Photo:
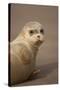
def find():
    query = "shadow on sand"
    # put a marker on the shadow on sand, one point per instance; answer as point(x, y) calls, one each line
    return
point(44, 70)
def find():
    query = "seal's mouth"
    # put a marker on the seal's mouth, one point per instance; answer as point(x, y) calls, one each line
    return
point(38, 42)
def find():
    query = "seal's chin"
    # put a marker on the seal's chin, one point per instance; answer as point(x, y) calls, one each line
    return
point(38, 42)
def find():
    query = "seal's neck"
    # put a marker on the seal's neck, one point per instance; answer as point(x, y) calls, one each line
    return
point(34, 48)
point(30, 45)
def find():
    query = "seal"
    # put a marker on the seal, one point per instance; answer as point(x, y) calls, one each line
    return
point(23, 51)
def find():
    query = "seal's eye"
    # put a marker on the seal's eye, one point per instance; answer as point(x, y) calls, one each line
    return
point(42, 31)
point(31, 31)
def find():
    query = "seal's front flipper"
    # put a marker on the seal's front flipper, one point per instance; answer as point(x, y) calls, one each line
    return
point(36, 71)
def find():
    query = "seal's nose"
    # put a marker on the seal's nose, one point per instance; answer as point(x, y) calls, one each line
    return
point(38, 36)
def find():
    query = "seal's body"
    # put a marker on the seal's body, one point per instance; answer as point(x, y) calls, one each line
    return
point(23, 52)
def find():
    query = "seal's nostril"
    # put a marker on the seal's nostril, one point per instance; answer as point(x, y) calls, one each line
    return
point(38, 36)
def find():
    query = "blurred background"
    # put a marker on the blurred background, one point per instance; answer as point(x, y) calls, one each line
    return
point(47, 57)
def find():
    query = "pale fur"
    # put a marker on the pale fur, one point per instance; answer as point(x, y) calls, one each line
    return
point(23, 52)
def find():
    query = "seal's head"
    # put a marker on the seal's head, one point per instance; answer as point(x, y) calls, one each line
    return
point(33, 33)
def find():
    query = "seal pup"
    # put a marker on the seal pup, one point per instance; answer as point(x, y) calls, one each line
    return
point(23, 52)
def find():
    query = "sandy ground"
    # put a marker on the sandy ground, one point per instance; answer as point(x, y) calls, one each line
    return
point(47, 75)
